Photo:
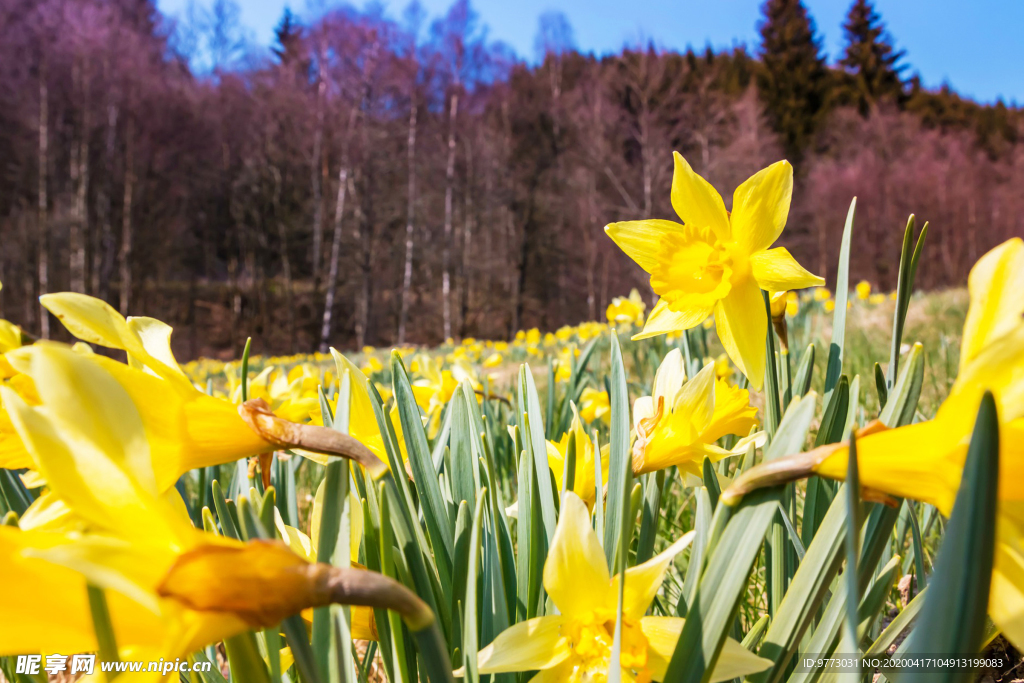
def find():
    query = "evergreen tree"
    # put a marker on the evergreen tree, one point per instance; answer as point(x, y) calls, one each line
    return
point(794, 79)
point(871, 62)
point(288, 34)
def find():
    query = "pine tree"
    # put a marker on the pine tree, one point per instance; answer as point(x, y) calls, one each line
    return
point(288, 34)
point(794, 79)
point(871, 62)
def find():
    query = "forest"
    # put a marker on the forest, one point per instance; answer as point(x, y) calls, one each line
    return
point(389, 180)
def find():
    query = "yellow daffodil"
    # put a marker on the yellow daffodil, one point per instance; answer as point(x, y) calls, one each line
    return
point(778, 304)
point(492, 361)
point(924, 461)
point(184, 427)
point(722, 367)
point(718, 262)
point(863, 290)
point(574, 646)
point(171, 589)
point(680, 422)
point(830, 305)
point(876, 298)
point(822, 294)
point(362, 421)
point(584, 476)
point(627, 310)
point(595, 405)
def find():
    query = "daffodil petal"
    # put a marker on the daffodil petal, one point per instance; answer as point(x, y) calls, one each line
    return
point(696, 202)
point(642, 240)
point(556, 674)
point(87, 479)
point(95, 321)
point(995, 284)
point(742, 324)
point(696, 400)
point(998, 368)
point(662, 633)
point(644, 580)
point(776, 270)
point(575, 572)
point(155, 337)
point(527, 646)
point(643, 408)
point(760, 207)
point(670, 377)
point(80, 393)
point(928, 467)
point(361, 417)
point(733, 413)
point(663, 319)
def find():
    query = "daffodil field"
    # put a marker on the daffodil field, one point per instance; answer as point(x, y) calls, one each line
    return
point(755, 479)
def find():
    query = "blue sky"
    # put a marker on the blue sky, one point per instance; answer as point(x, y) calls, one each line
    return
point(976, 47)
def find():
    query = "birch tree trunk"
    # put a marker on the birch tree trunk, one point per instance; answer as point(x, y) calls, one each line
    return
point(467, 244)
point(42, 228)
point(319, 173)
point(286, 261)
point(103, 244)
point(364, 233)
point(446, 283)
point(339, 213)
point(410, 214)
point(78, 229)
point(125, 256)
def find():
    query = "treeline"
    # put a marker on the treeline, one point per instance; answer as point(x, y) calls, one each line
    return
point(379, 180)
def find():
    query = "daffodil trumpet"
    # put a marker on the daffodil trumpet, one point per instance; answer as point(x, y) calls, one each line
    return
point(227, 573)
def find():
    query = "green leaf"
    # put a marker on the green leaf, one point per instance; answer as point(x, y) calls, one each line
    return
point(810, 586)
point(655, 482)
point(227, 523)
point(902, 404)
point(773, 405)
point(897, 626)
point(244, 659)
point(698, 550)
point(804, 372)
point(834, 367)
point(620, 472)
point(874, 599)
point(464, 472)
point(904, 289)
point(244, 377)
point(333, 546)
point(569, 467)
point(305, 660)
point(102, 624)
point(13, 492)
point(918, 546)
point(731, 560)
point(850, 642)
point(711, 482)
point(880, 387)
point(435, 512)
point(833, 421)
point(470, 646)
point(963, 568)
point(536, 446)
